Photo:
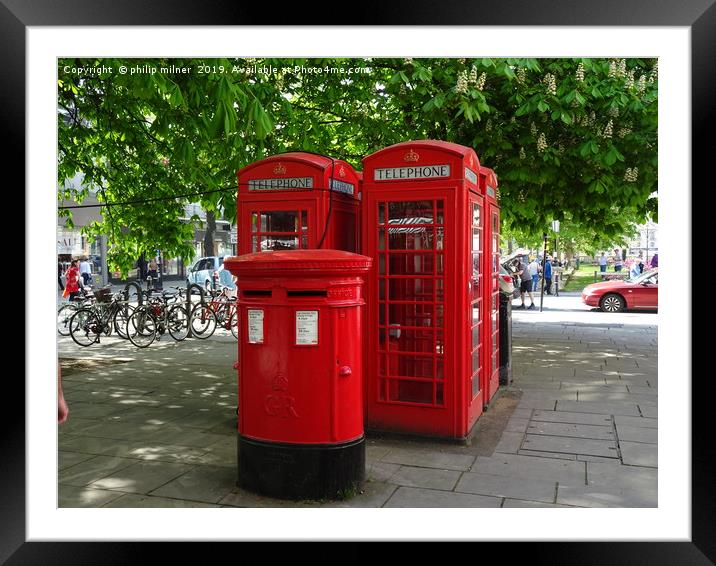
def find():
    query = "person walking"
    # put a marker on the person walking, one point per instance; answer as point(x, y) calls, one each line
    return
point(60, 270)
point(654, 261)
point(534, 270)
point(72, 278)
point(525, 285)
point(603, 263)
point(548, 276)
point(85, 272)
point(617, 261)
point(152, 272)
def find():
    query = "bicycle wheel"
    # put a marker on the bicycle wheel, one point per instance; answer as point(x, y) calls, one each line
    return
point(234, 323)
point(178, 322)
point(64, 314)
point(142, 327)
point(85, 327)
point(202, 321)
point(121, 319)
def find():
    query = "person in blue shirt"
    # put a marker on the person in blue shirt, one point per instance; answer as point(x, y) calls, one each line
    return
point(548, 276)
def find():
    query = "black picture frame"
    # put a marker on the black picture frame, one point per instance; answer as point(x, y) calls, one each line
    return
point(698, 15)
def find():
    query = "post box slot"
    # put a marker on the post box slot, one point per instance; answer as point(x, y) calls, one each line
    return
point(257, 293)
point(307, 293)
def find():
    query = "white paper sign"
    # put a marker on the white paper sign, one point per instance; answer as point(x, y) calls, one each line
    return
point(306, 328)
point(256, 326)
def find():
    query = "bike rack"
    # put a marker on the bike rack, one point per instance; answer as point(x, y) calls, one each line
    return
point(189, 292)
point(140, 297)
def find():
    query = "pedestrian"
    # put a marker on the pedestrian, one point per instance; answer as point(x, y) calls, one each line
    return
point(63, 410)
point(525, 285)
point(72, 278)
point(60, 271)
point(617, 260)
point(655, 261)
point(152, 272)
point(548, 275)
point(85, 272)
point(603, 263)
point(634, 272)
point(534, 270)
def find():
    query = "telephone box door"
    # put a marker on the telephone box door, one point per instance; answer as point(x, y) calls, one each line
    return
point(410, 333)
point(476, 327)
point(492, 355)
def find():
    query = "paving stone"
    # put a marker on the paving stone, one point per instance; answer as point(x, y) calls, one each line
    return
point(570, 445)
point(373, 494)
point(510, 442)
point(573, 430)
point(96, 446)
point(141, 477)
point(523, 466)
point(430, 498)
point(122, 430)
point(570, 417)
point(67, 459)
point(140, 501)
point(153, 452)
point(380, 471)
point(429, 478)
point(184, 437)
point(649, 411)
point(639, 454)
point(77, 425)
point(374, 451)
point(86, 410)
point(591, 387)
point(516, 425)
point(84, 473)
point(601, 408)
point(613, 486)
point(533, 489)
point(522, 413)
point(521, 503)
point(147, 415)
point(553, 455)
point(429, 459)
point(642, 422)
point(70, 496)
point(640, 390)
point(637, 434)
point(209, 484)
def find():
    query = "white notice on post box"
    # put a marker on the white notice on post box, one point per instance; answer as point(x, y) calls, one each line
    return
point(306, 328)
point(256, 326)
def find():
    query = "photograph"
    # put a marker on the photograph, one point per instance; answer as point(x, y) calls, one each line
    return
point(406, 285)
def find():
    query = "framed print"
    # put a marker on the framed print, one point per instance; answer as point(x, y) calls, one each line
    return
point(35, 35)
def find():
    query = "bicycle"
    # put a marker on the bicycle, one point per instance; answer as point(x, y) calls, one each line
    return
point(65, 310)
point(108, 313)
point(157, 316)
point(219, 311)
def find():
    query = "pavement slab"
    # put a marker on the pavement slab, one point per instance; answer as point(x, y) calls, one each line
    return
point(429, 459)
point(533, 489)
point(571, 445)
point(637, 434)
point(572, 430)
point(520, 466)
point(639, 454)
point(571, 417)
point(131, 500)
point(72, 496)
point(429, 478)
point(208, 484)
point(141, 477)
point(84, 473)
point(419, 497)
point(629, 409)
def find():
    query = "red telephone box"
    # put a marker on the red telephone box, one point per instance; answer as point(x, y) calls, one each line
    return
point(491, 270)
point(424, 226)
point(298, 200)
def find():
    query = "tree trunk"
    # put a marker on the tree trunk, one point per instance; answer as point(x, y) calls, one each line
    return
point(209, 234)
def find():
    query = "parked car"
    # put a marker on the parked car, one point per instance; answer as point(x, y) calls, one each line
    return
point(206, 270)
point(641, 292)
point(507, 284)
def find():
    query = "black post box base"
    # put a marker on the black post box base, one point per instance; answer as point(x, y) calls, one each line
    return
point(301, 471)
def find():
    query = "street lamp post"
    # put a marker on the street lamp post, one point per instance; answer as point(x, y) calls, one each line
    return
point(544, 258)
point(555, 229)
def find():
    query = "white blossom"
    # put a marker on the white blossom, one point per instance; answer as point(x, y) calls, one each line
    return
point(580, 72)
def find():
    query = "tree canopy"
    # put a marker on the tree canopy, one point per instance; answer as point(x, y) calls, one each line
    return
point(569, 139)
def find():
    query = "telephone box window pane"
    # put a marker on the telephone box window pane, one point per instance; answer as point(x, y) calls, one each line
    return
point(495, 245)
point(440, 214)
point(381, 289)
point(381, 239)
point(304, 242)
point(440, 263)
point(254, 244)
point(279, 221)
point(381, 314)
point(494, 223)
point(476, 237)
point(475, 336)
point(254, 222)
point(476, 361)
point(409, 264)
point(304, 221)
point(410, 365)
point(439, 290)
point(411, 289)
point(410, 340)
point(476, 215)
point(439, 394)
point(439, 239)
point(410, 213)
point(381, 264)
point(412, 392)
point(475, 385)
point(439, 369)
point(381, 213)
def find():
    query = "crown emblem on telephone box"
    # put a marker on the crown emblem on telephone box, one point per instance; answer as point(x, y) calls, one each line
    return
point(411, 156)
point(342, 172)
point(280, 169)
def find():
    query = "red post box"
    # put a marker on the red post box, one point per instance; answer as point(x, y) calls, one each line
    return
point(424, 225)
point(488, 187)
point(300, 390)
point(298, 200)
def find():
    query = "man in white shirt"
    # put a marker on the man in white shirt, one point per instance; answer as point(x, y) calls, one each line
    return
point(85, 272)
point(534, 269)
point(603, 263)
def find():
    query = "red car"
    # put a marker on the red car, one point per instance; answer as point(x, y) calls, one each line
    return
point(642, 292)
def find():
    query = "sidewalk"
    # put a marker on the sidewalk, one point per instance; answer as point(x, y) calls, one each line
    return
point(157, 427)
